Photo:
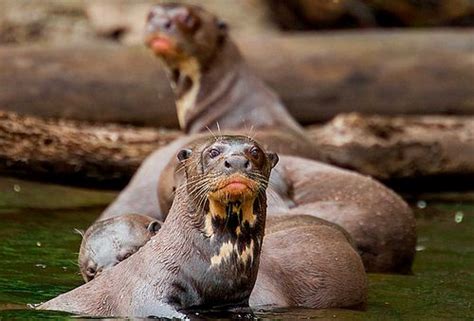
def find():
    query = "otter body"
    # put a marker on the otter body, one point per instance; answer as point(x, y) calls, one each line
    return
point(206, 253)
point(212, 84)
point(380, 222)
point(305, 262)
point(308, 262)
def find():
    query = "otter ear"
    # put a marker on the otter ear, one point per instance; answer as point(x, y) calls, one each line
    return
point(222, 34)
point(222, 26)
point(184, 154)
point(154, 227)
point(273, 157)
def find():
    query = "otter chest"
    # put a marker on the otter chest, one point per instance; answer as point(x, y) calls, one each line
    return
point(189, 83)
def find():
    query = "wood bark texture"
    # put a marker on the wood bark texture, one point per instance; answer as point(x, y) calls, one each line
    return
point(317, 76)
point(388, 148)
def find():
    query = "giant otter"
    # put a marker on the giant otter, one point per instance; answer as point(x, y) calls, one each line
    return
point(211, 81)
point(305, 261)
point(206, 253)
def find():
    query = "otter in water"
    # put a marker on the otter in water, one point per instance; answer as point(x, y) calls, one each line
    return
point(206, 254)
point(305, 261)
point(110, 241)
point(308, 262)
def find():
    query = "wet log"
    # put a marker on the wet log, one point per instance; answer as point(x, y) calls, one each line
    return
point(317, 76)
point(393, 149)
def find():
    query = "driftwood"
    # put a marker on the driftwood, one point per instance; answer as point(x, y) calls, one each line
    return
point(390, 148)
point(317, 76)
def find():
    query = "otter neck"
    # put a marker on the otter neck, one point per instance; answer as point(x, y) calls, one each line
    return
point(197, 85)
point(228, 238)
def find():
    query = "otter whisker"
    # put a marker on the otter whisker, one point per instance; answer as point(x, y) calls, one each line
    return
point(211, 132)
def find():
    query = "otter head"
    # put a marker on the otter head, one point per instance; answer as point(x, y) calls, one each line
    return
point(226, 179)
point(223, 196)
point(178, 33)
point(108, 242)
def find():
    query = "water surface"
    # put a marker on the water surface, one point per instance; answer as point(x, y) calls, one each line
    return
point(39, 244)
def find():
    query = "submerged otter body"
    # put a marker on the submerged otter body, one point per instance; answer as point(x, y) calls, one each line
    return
point(206, 254)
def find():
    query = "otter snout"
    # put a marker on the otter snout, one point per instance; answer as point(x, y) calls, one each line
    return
point(236, 163)
point(170, 19)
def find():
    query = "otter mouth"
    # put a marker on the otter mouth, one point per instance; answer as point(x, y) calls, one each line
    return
point(161, 45)
point(234, 187)
point(231, 203)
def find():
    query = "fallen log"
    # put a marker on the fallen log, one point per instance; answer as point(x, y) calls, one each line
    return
point(317, 75)
point(389, 148)
point(74, 153)
point(410, 153)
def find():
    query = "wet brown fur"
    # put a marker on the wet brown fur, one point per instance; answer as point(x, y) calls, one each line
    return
point(309, 262)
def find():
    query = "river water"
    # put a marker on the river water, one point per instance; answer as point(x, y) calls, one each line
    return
point(39, 244)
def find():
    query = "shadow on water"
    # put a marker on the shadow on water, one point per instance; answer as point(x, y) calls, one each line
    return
point(39, 244)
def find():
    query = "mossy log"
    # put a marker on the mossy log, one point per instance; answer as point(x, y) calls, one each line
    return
point(317, 76)
point(392, 149)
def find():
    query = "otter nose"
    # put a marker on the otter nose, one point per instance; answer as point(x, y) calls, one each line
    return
point(160, 22)
point(236, 163)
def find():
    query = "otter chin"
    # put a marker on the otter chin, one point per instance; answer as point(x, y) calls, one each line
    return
point(161, 45)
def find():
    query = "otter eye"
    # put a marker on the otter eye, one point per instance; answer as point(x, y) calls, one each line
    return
point(222, 25)
point(255, 152)
point(213, 153)
point(190, 21)
point(90, 271)
point(150, 16)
